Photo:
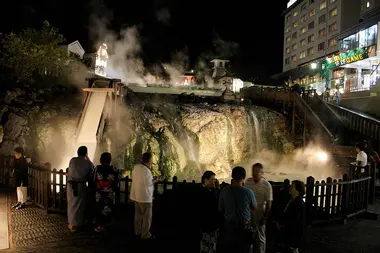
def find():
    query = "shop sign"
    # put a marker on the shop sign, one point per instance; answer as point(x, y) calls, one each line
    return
point(347, 57)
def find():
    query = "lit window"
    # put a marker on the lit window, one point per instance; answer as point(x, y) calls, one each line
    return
point(288, 18)
point(295, 24)
point(303, 30)
point(288, 39)
point(294, 58)
point(321, 46)
point(322, 19)
point(333, 27)
point(322, 32)
point(287, 50)
point(310, 51)
point(333, 12)
point(367, 4)
point(310, 38)
point(303, 42)
point(332, 43)
point(288, 28)
point(302, 54)
point(294, 47)
point(310, 25)
point(332, 1)
point(323, 5)
point(295, 13)
point(312, 13)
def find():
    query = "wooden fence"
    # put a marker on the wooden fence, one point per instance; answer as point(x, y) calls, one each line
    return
point(325, 200)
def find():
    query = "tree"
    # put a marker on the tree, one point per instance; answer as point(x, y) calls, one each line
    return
point(33, 53)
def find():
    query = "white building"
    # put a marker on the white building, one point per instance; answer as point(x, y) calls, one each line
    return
point(310, 33)
point(74, 48)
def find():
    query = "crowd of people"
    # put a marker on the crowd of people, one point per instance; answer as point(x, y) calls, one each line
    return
point(231, 219)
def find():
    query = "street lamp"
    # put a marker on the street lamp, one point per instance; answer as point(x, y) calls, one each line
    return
point(313, 65)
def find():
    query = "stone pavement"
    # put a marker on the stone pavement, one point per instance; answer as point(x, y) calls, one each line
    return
point(4, 240)
point(33, 231)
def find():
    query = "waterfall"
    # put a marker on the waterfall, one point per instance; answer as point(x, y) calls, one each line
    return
point(257, 131)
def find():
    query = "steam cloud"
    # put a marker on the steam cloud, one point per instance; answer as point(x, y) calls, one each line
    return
point(125, 61)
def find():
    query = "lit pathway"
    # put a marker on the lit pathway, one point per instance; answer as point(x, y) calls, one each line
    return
point(4, 235)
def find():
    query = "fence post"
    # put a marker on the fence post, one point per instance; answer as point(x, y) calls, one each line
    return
point(310, 197)
point(372, 190)
point(175, 183)
point(345, 197)
point(165, 185)
point(126, 190)
point(46, 189)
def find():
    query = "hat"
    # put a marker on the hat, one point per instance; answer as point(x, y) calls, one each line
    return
point(19, 150)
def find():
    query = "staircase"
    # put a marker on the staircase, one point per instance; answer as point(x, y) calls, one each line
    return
point(330, 119)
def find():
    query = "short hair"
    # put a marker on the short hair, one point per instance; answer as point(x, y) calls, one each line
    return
point(82, 151)
point(258, 165)
point(147, 157)
point(300, 187)
point(19, 150)
point(207, 175)
point(105, 158)
point(360, 145)
point(238, 173)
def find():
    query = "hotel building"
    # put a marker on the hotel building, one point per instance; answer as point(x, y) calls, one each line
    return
point(310, 36)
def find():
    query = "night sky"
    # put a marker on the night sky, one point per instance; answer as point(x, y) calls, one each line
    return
point(167, 26)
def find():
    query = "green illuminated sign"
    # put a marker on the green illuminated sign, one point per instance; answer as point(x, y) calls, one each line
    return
point(346, 58)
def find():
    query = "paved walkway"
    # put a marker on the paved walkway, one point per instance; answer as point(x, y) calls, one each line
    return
point(33, 231)
point(4, 240)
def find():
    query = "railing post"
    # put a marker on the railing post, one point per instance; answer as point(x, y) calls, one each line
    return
point(175, 183)
point(126, 190)
point(345, 197)
point(310, 197)
point(46, 188)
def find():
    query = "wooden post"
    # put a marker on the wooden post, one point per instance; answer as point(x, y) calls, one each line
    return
point(310, 197)
point(175, 183)
point(46, 189)
point(345, 197)
point(372, 189)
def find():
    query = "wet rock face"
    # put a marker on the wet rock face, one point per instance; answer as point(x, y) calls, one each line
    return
point(39, 120)
point(186, 140)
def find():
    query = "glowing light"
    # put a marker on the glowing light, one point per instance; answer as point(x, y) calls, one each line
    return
point(192, 71)
point(322, 156)
point(313, 65)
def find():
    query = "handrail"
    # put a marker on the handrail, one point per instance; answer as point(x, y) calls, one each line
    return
point(325, 104)
point(356, 113)
point(309, 111)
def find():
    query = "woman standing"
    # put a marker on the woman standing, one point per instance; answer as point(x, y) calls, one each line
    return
point(107, 180)
point(20, 168)
point(293, 223)
point(209, 214)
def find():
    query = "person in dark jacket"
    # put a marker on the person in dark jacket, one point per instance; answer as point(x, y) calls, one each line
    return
point(20, 171)
point(209, 214)
point(293, 223)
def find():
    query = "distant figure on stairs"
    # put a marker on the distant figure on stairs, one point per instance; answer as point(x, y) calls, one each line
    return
point(337, 96)
point(361, 157)
point(79, 172)
point(20, 171)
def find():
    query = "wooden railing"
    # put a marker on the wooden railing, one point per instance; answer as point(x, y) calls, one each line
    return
point(325, 200)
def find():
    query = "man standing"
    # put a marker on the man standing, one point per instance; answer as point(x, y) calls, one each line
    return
point(142, 194)
point(20, 167)
point(78, 174)
point(236, 203)
point(264, 196)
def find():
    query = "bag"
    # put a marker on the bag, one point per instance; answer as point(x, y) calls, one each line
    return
point(249, 230)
